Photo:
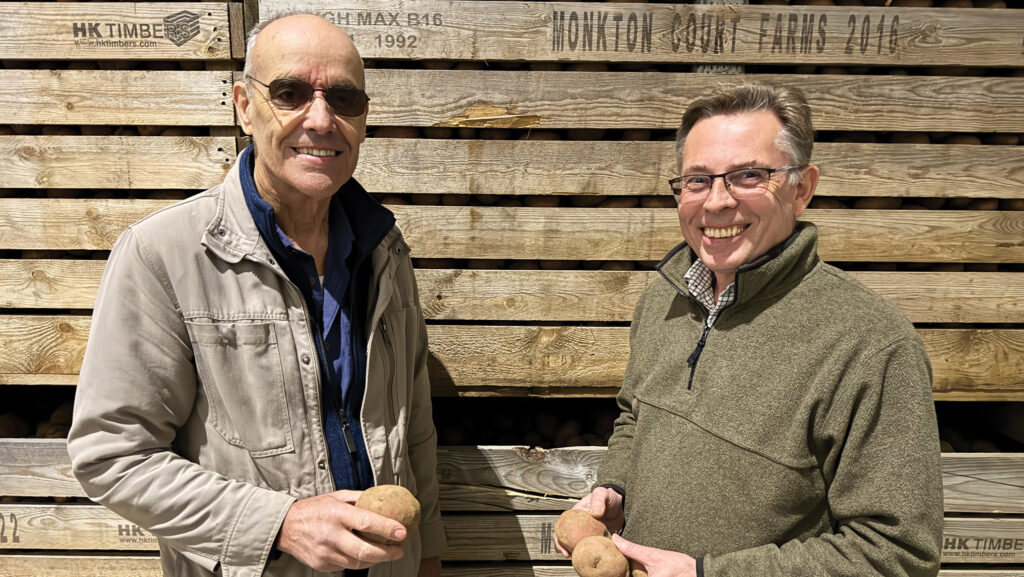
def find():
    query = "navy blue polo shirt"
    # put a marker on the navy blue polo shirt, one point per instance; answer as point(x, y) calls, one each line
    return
point(337, 306)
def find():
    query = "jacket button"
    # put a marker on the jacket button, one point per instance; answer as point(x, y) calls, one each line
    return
point(321, 465)
point(305, 359)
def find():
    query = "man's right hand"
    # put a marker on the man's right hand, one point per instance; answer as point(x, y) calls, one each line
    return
point(318, 531)
point(603, 504)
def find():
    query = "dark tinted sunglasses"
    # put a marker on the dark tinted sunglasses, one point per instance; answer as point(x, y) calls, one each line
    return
point(292, 93)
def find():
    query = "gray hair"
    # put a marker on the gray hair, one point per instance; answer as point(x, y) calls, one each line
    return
point(789, 105)
point(250, 42)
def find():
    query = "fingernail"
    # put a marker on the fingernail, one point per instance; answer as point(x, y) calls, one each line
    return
point(399, 534)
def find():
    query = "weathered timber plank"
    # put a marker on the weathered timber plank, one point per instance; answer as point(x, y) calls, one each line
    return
point(484, 537)
point(680, 33)
point(118, 97)
point(154, 162)
point(42, 284)
point(566, 570)
point(529, 99)
point(648, 234)
point(42, 345)
point(149, 566)
point(967, 364)
point(644, 234)
point(509, 478)
point(114, 31)
point(406, 165)
point(959, 357)
point(543, 295)
point(469, 498)
point(566, 472)
point(80, 565)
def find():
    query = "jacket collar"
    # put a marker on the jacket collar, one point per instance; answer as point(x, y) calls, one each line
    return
point(776, 271)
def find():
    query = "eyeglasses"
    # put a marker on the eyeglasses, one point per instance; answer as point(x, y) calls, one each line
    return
point(292, 93)
point(740, 183)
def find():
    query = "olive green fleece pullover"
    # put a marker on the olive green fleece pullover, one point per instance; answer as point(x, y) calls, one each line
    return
point(806, 443)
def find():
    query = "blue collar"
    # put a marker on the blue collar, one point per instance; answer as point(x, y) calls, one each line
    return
point(358, 220)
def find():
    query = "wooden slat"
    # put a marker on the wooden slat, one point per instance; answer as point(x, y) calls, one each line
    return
point(114, 31)
point(565, 233)
point(117, 97)
point(542, 295)
point(149, 566)
point(483, 537)
point(566, 570)
point(498, 167)
point(681, 33)
point(63, 565)
point(505, 478)
point(528, 99)
point(156, 162)
point(642, 168)
point(648, 234)
point(967, 364)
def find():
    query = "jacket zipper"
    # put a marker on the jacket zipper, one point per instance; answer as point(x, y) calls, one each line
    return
point(691, 361)
point(695, 355)
point(346, 427)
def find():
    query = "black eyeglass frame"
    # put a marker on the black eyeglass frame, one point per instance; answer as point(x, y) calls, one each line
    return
point(678, 192)
point(312, 94)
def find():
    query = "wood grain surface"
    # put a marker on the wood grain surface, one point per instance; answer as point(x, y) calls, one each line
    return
point(115, 31)
point(656, 100)
point(157, 162)
point(117, 97)
point(559, 31)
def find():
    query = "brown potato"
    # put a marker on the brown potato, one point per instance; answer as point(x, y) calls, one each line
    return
point(599, 557)
point(394, 502)
point(636, 569)
point(575, 525)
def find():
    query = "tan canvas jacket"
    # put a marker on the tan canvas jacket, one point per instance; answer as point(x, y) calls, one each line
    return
point(198, 410)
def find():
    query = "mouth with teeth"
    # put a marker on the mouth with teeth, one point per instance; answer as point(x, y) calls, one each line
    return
point(724, 232)
point(319, 152)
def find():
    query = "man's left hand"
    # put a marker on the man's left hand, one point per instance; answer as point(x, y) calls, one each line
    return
point(658, 562)
point(430, 567)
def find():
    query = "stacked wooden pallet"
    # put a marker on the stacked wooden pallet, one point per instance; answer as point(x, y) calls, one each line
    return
point(524, 148)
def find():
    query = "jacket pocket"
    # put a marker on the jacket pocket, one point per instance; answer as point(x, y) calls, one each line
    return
point(240, 369)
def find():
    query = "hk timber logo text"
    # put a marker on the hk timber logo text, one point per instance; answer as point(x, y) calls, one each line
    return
point(179, 28)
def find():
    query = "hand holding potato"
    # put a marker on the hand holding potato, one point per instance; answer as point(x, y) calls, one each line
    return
point(603, 504)
point(656, 562)
point(319, 532)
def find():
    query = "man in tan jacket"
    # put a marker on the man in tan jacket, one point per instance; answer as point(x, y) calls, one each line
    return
point(258, 353)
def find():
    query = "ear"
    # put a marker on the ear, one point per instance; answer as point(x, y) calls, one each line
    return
point(240, 95)
point(366, 114)
point(805, 189)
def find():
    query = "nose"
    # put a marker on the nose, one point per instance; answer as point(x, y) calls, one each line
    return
point(319, 116)
point(719, 198)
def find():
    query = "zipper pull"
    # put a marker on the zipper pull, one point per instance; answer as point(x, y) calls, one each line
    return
point(350, 441)
point(384, 333)
point(692, 360)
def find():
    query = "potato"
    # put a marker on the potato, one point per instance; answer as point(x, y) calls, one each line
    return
point(394, 502)
point(575, 525)
point(636, 569)
point(598, 557)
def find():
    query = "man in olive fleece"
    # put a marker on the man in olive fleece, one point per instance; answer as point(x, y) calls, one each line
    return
point(777, 416)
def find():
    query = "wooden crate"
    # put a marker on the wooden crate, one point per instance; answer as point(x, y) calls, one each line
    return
point(530, 252)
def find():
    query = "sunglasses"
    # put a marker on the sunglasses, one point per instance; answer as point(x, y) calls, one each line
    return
point(292, 93)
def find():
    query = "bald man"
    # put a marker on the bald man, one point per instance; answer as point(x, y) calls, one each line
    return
point(258, 353)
